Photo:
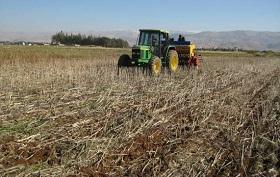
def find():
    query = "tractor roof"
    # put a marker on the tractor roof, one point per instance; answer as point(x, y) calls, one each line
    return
point(155, 30)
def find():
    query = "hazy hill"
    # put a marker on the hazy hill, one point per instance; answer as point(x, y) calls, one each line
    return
point(25, 36)
point(251, 40)
point(241, 39)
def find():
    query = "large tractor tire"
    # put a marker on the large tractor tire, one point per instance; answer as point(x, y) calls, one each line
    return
point(172, 61)
point(124, 61)
point(155, 66)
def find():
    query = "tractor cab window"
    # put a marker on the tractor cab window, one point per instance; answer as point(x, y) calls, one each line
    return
point(163, 38)
point(155, 39)
point(148, 38)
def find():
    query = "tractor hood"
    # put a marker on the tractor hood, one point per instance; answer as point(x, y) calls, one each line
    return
point(141, 53)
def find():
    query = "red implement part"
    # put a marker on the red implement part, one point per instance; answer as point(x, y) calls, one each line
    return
point(195, 61)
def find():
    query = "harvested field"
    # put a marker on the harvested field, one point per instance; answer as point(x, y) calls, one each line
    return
point(66, 112)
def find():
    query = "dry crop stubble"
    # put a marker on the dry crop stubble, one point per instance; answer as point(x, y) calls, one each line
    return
point(67, 112)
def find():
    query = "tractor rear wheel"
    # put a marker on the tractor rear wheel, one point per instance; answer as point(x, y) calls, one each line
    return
point(172, 61)
point(124, 60)
point(155, 66)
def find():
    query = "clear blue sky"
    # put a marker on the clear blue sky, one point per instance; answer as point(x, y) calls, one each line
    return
point(107, 15)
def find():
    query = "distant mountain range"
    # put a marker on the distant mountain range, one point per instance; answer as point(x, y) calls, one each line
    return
point(250, 40)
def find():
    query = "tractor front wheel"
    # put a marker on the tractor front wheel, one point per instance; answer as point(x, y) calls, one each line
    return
point(155, 66)
point(172, 61)
point(124, 60)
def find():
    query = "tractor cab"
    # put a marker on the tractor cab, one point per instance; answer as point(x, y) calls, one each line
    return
point(152, 37)
point(150, 43)
point(155, 39)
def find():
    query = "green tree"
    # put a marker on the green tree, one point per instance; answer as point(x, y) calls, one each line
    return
point(71, 39)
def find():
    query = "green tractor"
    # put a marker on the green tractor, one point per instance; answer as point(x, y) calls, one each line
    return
point(155, 50)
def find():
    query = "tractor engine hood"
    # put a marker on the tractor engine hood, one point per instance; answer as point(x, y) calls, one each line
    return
point(141, 54)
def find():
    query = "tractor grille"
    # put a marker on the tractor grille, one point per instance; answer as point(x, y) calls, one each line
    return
point(135, 53)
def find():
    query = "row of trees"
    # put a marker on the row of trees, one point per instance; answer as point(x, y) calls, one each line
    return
point(71, 39)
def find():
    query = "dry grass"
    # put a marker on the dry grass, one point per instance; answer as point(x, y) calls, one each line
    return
point(65, 112)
